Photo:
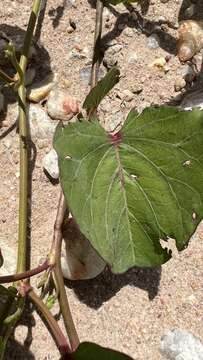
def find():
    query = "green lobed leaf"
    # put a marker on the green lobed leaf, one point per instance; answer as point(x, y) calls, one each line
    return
point(91, 351)
point(144, 184)
point(102, 88)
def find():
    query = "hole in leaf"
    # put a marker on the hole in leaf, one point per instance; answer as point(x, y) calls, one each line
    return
point(194, 216)
point(169, 244)
point(68, 157)
point(187, 163)
point(133, 176)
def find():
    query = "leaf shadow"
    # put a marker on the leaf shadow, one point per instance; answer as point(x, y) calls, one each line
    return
point(56, 14)
point(133, 18)
point(15, 350)
point(197, 82)
point(144, 5)
point(96, 291)
point(191, 10)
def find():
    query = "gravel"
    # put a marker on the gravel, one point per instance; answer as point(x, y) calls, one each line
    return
point(181, 345)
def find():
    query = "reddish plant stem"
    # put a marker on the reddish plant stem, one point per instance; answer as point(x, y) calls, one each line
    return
point(58, 275)
point(52, 323)
point(25, 274)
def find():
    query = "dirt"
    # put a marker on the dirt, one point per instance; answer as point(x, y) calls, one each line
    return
point(128, 312)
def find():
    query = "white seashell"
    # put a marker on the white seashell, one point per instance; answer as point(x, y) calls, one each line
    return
point(80, 261)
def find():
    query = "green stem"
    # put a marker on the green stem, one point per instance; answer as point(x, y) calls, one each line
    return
point(23, 133)
point(58, 275)
point(97, 43)
point(96, 52)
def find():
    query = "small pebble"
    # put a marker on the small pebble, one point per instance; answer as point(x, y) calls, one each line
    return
point(128, 95)
point(136, 88)
point(114, 49)
point(132, 57)
point(10, 257)
point(153, 41)
point(78, 53)
point(85, 74)
point(180, 344)
point(7, 143)
point(187, 73)
point(61, 105)
point(190, 41)
point(159, 63)
point(180, 83)
point(41, 89)
point(42, 143)
point(70, 3)
point(41, 126)
point(128, 32)
point(50, 164)
point(70, 29)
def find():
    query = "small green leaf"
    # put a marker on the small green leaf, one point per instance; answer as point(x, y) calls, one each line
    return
point(103, 87)
point(50, 301)
point(132, 189)
point(91, 351)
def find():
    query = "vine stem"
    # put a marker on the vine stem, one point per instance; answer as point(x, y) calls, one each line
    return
point(58, 275)
point(57, 238)
point(97, 42)
point(26, 274)
point(52, 323)
point(23, 185)
point(23, 134)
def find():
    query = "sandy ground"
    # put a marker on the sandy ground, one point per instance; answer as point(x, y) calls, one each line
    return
point(129, 312)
